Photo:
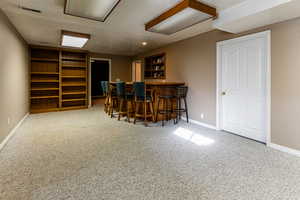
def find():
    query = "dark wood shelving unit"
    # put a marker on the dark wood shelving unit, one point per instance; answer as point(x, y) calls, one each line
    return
point(74, 79)
point(155, 67)
point(58, 79)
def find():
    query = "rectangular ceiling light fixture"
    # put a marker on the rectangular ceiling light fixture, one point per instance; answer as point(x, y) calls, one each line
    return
point(185, 14)
point(72, 39)
point(97, 10)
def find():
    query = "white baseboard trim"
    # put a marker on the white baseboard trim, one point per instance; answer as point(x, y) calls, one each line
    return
point(12, 132)
point(284, 149)
point(200, 123)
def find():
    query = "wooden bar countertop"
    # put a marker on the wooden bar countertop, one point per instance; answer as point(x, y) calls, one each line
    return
point(158, 83)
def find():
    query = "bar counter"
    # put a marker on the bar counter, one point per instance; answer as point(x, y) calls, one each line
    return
point(157, 87)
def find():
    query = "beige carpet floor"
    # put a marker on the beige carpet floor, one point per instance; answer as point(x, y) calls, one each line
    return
point(85, 155)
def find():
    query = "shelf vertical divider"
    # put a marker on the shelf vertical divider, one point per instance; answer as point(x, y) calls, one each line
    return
point(60, 78)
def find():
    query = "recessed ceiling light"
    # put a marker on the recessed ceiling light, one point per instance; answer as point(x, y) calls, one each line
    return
point(72, 39)
point(144, 43)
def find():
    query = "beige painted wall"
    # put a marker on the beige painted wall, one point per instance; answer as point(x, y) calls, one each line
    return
point(194, 62)
point(120, 66)
point(14, 77)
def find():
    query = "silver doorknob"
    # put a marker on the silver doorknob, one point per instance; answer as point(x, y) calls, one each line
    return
point(223, 93)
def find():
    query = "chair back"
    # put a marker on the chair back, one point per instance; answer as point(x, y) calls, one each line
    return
point(181, 91)
point(120, 89)
point(104, 86)
point(139, 89)
point(167, 91)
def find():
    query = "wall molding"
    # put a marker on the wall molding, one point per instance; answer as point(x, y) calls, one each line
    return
point(284, 149)
point(200, 123)
point(269, 144)
point(12, 132)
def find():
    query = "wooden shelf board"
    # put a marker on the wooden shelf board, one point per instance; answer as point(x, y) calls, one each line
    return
point(69, 100)
point(150, 77)
point(46, 73)
point(73, 76)
point(42, 89)
point(73, 84)
point(72, 66)
point(154, 64)
point(154, 70)
point(73, 58)
point(44, 97)
point(44, 81)
point(70, 93)
point(45, 59)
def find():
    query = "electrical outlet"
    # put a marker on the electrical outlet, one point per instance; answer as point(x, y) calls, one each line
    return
point(8, 120)
point(202, 116)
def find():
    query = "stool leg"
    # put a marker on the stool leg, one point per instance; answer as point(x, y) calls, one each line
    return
point(157, 110)
point(174, 105)
point(120, 108)
point(109, 107)
point(151, 110)
point(112, 108)
point(136, 111)
point(164, 109)
point(168, 109)
point(145, 113)
point(186, 110)
point(128, 112)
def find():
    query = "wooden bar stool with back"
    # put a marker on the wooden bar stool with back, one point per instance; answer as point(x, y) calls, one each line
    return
point(165, 103)
point(181, 94)
point(143, 100)
point(124, 98)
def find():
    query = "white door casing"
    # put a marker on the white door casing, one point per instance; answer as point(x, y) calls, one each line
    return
point(243, 73)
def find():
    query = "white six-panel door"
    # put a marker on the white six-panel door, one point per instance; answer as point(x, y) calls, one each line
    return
point(243, 87)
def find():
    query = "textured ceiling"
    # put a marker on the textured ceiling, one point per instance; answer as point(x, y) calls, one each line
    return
point(122, 33)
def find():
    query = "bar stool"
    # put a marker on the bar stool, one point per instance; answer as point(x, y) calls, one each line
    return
point(124, 98)
point(166, 95)
point(104, 86)
point(142, 100)
point(113, 101)
point(181, 94)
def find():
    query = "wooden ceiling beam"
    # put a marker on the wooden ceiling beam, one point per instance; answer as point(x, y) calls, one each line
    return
point(203, 7)
point(179, 7)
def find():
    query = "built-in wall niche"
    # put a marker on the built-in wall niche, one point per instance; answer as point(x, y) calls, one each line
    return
point(58, 79)
point(155, 67)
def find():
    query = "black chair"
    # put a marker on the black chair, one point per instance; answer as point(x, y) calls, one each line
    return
point(143, 100)
point(181, 94)
point(165, 96)
point(124, 98)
